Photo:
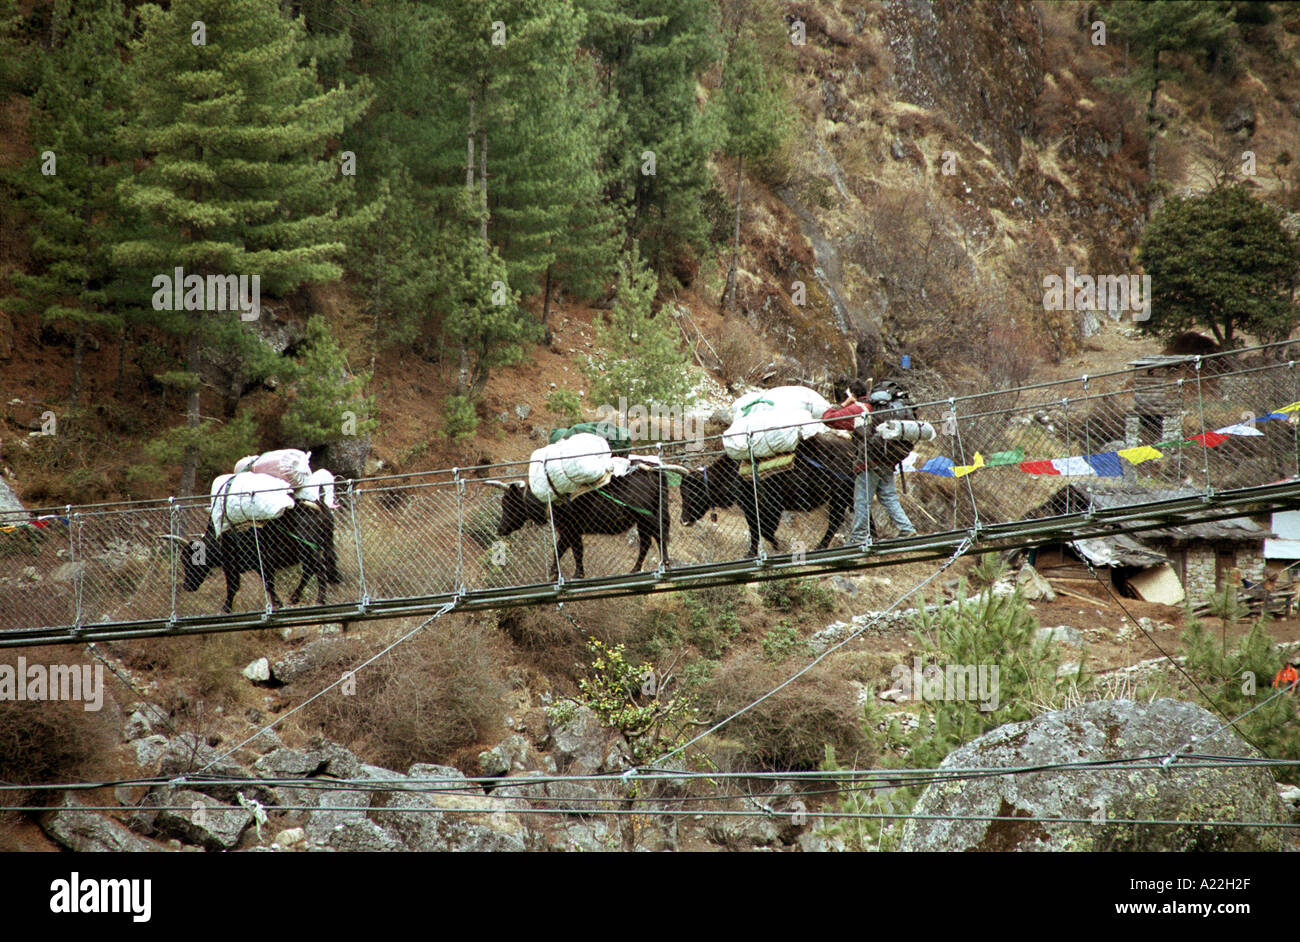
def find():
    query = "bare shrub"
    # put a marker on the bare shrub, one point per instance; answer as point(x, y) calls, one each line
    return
point(741, 353)
point(48, 741)
point(790, 729)
point(202, 670)
point(442, 691)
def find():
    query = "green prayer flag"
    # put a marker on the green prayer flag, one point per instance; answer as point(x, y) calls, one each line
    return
point(1014, 456)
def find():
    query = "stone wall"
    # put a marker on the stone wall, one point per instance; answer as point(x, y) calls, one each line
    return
point(1200, 578)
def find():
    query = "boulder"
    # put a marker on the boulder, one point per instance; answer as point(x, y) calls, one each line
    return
point(1061, 634)
point(1033, 586)
point(743, 832)
point(1101, 731)
point(207, 822)
point(87, 832)
point(507, 755)
point(149, 751)
point(291, 839)
point(302, 660)
point(579, 742)
point(363, 836)
point(468, 823)
point(259, 671)
point(187, 753)
point(144, 720)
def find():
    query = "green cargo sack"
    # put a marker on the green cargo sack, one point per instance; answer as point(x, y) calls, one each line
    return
point(619, 438)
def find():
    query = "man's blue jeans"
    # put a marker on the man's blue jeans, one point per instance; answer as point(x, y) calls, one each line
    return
point(876, 484)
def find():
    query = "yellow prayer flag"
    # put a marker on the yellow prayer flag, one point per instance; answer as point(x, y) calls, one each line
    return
point(968, 468)
point(1291, 408)
point(1139, 454)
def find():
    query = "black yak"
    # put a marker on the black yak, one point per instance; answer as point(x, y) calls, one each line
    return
point(822, 474)
point(302, 536)
point(637, 499)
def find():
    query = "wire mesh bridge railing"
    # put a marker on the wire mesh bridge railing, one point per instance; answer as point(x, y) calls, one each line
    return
point(1190, 438)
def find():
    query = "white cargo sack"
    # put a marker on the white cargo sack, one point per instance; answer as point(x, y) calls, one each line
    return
point(570, 466)
point(319, 489)
point(799, 398)
point(247, 497)
point(288, 464)
point(905, 429)
point(766, 433)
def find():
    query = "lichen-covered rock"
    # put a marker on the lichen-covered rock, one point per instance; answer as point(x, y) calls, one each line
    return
point(511, 754)
point(1101, 731)
point(206, 822)
point(203, 768)
point(88, 832)
point(580, 741)
point(466, 823)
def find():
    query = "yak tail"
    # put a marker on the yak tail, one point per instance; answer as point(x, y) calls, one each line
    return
point(332, 563)
point(331, 554)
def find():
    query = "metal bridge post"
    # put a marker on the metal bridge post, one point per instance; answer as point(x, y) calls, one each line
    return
point(1069, 447)
point(261, 568)
point(753, 480)
point(460, 530)
point(970, 488)
point(1181, 437)
point(77, 577)
point(363, 593)
point(1295, 428)
point(1087, 407)
point(866, 540)
point(555, 545)
point(1205, 449)
point(662, 506)
point(171, 546)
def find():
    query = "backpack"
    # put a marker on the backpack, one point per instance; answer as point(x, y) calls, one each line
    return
point(889, 400)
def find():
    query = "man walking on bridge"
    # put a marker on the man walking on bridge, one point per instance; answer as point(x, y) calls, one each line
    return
point(876, 472)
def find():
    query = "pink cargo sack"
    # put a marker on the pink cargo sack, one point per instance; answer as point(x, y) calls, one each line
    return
point(288, 464)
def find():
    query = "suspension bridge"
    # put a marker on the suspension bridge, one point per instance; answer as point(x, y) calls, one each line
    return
point(1172, 440)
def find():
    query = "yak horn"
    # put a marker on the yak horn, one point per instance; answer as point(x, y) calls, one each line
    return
point(501, 484)
point(173, 536)
point(679, 468)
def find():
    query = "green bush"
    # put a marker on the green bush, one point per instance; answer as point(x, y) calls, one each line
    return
point(625, 696)
point(565, 404)
point(797, 595)
point(783, 642)
point(639, 355)
point(1238, 678)
point(459, 418)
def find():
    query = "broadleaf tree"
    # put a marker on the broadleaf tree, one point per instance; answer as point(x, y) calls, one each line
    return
point(1222, 261)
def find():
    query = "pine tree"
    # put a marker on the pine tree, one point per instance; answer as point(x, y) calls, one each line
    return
point(235, 125)
point(479, 312)
point(640, 358)
point(1152, 28)
point(653, 52)
point(327, 400)
point(547, 184)
point(68, 189)
point(754, 120)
